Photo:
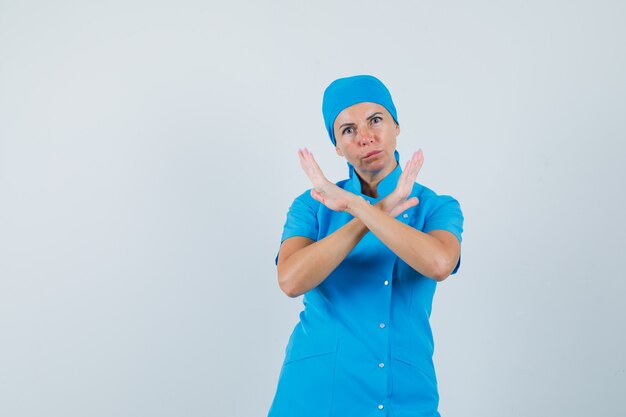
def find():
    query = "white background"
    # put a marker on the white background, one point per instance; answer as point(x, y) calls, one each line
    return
point(148, 158)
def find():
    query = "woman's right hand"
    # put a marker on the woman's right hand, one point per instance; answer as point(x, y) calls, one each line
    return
point(324, 191)
point(396, 202)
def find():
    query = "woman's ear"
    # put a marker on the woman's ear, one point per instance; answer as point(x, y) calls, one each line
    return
point(338, 151)
point(397, 129)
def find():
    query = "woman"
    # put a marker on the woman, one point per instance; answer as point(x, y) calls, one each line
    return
point(367, 253)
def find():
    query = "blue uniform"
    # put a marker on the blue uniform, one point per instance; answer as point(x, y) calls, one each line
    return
point(363, 345)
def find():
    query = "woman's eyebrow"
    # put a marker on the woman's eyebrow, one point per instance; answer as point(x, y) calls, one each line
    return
point(368, 118)
point(375, 114)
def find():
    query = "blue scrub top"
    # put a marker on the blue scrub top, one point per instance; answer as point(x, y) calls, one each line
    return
point(363, 345)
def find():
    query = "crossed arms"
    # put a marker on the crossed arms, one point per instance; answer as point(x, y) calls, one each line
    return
point(303, 263)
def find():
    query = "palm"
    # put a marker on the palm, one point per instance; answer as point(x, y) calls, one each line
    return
point(323, 190)
point(396, 202)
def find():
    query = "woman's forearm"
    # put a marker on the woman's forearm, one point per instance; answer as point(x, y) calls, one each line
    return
point(424, 253)
point(307, 267)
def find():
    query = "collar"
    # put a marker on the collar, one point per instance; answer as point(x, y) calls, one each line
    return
point(386, 185)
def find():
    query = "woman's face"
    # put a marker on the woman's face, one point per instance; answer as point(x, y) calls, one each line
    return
point(365, 134)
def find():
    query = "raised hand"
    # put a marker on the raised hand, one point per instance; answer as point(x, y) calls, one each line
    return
point(338, 199)
point(324, 191)
point(396, 202)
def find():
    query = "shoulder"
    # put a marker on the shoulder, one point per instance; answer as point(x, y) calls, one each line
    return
point(305, 199)
point(439, 212)
point(430, 199)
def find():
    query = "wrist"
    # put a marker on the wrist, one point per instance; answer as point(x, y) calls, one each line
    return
point(383, 205)
point(355, 202)
point(387, 204)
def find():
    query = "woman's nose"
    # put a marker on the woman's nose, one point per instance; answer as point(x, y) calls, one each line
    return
point(366, 136)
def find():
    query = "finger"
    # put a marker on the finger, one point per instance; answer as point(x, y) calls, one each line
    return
point(404, 206)
point(303, 154)
point(317, 196)
point(408, 168)
point(415, 164)
point(304, 163)
point(316, 171)
point(308, 168)
point(313, 162)
point(301, 158)
point(313, 170)
point(309, 161)
point(407, 178)
point(407, 204)
point(419, 161)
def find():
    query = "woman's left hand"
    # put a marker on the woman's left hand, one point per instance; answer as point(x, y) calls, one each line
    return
point(324, 191)
point(398, 201)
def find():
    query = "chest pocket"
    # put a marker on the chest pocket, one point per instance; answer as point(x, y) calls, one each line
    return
point(306, 383)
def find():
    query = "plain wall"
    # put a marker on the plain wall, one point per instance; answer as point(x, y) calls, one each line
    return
point(148, 158)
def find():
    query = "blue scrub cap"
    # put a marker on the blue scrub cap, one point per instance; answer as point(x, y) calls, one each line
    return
point(345, 92)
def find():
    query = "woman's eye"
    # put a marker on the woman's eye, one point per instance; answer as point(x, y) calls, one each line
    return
point(376, 119)
point(348, 131)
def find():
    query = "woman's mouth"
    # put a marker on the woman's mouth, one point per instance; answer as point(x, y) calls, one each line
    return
point(371, 154)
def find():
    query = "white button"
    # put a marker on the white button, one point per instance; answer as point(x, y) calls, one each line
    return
point(386, 282)
point(381, 365)
point(380, 406)
point(382, 325)
point(406, 216)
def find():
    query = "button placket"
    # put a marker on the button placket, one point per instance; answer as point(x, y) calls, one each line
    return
point(382, 325)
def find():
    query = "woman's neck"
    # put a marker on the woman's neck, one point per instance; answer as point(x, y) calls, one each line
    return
point(369, 183)
point(369, 189)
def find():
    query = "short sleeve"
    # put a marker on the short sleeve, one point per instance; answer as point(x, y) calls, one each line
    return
point(301, 219)
point(446, 215)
